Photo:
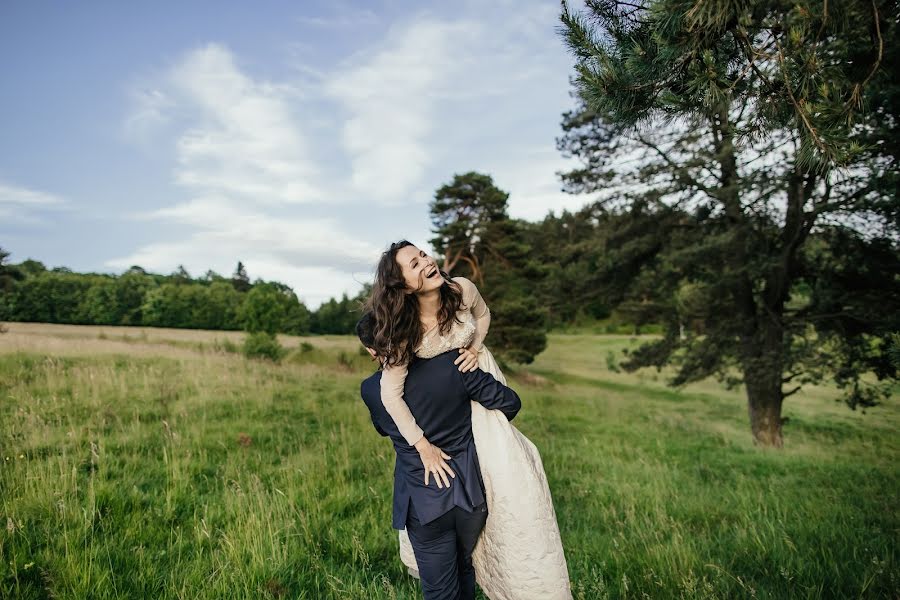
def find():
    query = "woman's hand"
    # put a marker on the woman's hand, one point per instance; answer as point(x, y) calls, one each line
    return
point(467, 360)
point(434, 460)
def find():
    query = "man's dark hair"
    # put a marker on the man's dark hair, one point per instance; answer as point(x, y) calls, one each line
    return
point(365, 330)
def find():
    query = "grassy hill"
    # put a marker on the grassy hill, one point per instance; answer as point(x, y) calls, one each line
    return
point(156, 463)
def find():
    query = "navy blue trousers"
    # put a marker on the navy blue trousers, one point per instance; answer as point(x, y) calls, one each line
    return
point(443, 550)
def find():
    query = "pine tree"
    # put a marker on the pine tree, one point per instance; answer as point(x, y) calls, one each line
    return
point(240, 280)
point(478, 240)
point(736, 138)
point(461, 213)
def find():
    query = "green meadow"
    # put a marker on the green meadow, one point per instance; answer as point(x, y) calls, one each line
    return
point(152, 463)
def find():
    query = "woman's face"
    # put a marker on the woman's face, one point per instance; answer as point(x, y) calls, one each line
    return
point(419, 270)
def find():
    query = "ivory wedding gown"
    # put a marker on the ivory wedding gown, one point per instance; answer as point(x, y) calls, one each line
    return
point(519, 555)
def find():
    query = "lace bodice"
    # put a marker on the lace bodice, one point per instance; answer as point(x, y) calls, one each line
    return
point(468, 332)
point(459, 336)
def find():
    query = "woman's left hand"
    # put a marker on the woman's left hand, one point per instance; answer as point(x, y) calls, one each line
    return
point(467, 360)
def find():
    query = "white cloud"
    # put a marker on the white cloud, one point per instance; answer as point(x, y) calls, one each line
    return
point(313, 256)
point(246, 140)
point(438, 97)
point(255, 159)
point(148, 114)
point(239, 136)
point(242, 158)
point(23, 205)
point(390, 99)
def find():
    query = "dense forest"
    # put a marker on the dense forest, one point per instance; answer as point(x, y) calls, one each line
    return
point(31, 292)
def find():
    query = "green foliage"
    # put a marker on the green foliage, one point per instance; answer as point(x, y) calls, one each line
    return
point(339, 316)
point(739, 117)
point(478, 240)
point(240, 280)
point(263, 310)
point(8, 273)
point(193, 306)
point(50, 297)
point(462, 213)
point(226, 345)
point(273, 307)
point(264, 345)
point(33, 293)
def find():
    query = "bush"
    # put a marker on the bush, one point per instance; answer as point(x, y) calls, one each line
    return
point(225, 345)
point(263, 345)
point(612, 363)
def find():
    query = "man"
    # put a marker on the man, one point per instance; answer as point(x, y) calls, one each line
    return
point(443, 521)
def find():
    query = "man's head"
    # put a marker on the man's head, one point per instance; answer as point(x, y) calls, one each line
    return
point(365, 330)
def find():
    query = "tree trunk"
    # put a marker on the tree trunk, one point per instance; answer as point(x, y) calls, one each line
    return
point(764, 406)
point(763, 366)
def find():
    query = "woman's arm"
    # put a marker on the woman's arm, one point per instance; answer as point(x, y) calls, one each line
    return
point(392, 380)
point(475, 304)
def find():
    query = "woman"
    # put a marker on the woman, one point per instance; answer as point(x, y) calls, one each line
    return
point(419, 310)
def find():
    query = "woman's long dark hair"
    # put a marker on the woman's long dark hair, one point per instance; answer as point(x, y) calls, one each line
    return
point(398, 330)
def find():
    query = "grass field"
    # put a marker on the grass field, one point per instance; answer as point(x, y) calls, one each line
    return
point(156, 464)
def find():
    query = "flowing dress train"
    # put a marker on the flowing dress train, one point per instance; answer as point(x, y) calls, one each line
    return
point(519, 555)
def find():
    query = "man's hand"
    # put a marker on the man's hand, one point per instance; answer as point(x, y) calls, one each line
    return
point(467, 360)
point(433, 458)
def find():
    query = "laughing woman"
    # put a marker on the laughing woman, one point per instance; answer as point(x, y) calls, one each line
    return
point(419, 310)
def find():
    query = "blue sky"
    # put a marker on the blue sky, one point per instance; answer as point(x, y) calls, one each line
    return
point(300, 138)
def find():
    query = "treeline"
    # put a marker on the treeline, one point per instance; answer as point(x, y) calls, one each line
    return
point(33, 293)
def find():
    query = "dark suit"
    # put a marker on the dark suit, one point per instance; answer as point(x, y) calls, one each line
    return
point(443, 524)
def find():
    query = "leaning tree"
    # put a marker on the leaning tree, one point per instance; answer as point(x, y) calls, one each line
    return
point(750, 149)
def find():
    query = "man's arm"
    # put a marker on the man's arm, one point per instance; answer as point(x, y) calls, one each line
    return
point(370, 404)
point(491, 393)
point(378, 427)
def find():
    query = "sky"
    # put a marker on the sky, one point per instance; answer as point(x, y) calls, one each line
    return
point(300, 138)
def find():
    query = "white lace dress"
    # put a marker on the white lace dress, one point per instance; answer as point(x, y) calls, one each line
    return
point(519, 555)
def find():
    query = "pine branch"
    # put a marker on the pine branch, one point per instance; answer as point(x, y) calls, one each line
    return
point(856, 95)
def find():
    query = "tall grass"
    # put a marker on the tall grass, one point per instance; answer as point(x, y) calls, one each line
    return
point(159, 470)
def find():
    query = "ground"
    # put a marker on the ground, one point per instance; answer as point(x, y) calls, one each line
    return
point(162, 464)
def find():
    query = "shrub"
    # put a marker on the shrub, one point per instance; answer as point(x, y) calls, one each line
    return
point(612, 363)
point(263, 345)
point(225, 345)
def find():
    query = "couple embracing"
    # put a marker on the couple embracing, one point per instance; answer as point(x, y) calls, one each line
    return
point(471, 499)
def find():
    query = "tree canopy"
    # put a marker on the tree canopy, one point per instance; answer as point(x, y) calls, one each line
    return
point(742, 145)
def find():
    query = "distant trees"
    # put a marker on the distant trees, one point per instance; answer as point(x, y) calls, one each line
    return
point(8, 273)
point(273, 308)
point(8, 276)
point(29, 292)
point(240, 280)
point(339, 317)
point(213, 306)
point(757, 213)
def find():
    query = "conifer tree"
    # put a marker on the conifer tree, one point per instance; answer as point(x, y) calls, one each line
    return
point(750, 144)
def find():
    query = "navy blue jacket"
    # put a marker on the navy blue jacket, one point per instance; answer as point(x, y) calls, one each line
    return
point(438, 396)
